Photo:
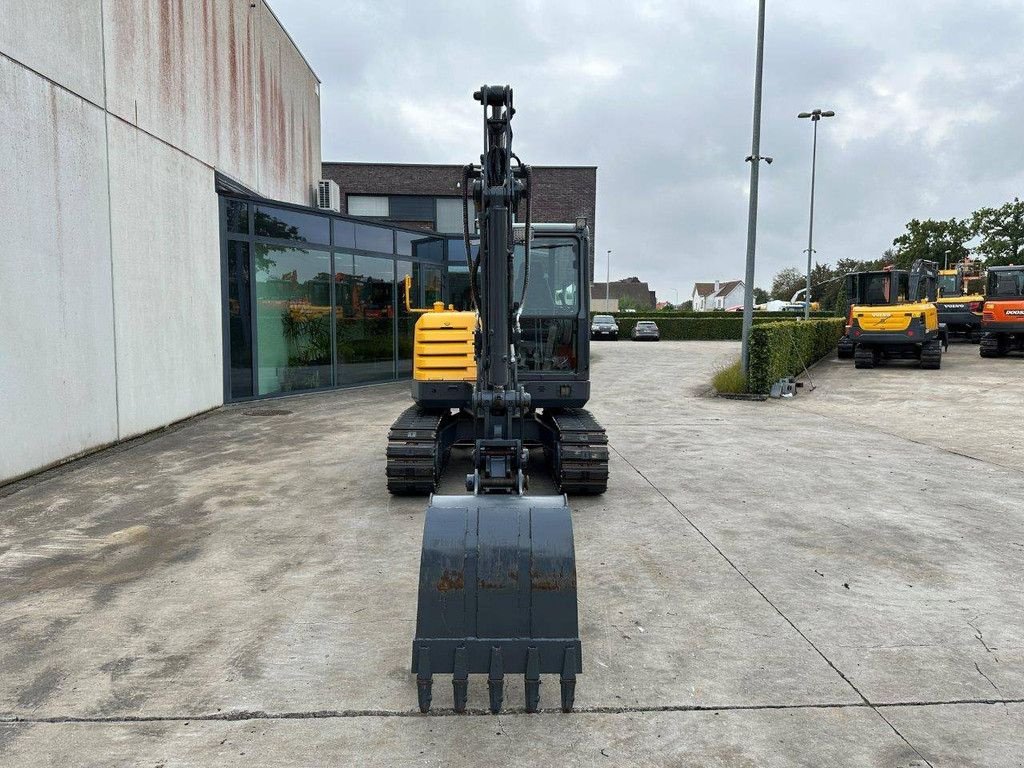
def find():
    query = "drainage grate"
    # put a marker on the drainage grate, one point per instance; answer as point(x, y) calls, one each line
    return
point(266, 412)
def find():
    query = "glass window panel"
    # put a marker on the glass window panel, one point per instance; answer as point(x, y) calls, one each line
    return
point(410, 208)
point(344, 234)
point(286, 224)
point(364, 290)
point(237, 215)
point(371, 238)
point(458, 287)
point(457, 249)
point(428, 249)
point(293, 316)
point(547, 343)
point(404, 242)
point(367, 205)
point(239, 319)
point(553, 288)
point(449, 215)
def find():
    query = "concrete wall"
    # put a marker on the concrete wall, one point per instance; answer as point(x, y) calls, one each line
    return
point(116, 115)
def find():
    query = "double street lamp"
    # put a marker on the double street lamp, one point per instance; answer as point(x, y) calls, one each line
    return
point(815, 116)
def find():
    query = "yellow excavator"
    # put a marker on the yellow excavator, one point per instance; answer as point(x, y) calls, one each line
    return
point(960, 298)
point(896, 317)
point(497, 586)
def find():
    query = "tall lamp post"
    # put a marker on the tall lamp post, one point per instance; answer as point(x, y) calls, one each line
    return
point(815, 116)
point(754, 158)
point(608, 283)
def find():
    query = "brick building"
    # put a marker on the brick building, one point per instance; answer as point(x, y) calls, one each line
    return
point(430, 196)
point(632, 288)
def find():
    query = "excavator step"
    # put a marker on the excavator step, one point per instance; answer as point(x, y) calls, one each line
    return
point(414, 465)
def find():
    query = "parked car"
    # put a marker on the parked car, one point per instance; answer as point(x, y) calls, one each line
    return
point(604, 327)
point(646, 330)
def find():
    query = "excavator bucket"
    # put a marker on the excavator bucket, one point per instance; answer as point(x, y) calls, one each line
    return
point(497, 596)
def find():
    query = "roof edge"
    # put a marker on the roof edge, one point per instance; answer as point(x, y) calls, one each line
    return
point(266, 4)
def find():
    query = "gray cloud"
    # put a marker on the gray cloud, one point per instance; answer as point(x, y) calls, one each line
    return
point(929, 95)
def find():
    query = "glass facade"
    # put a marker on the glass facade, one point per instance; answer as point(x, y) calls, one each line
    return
point(313, 300)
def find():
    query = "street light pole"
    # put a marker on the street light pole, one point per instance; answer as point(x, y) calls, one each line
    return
point(815, 116)
point(608, 284)
point(755, 166)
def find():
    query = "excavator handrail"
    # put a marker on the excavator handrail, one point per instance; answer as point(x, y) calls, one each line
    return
point(438, 306)
point(408, 299)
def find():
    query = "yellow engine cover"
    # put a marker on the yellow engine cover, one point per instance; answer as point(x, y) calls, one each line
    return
point(894, 318)
point(443, 348)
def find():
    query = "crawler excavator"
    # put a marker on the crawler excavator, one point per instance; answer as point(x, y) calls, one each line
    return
point(497, 584)
point(895, 317)
point(960, 299)
point(1003, 312)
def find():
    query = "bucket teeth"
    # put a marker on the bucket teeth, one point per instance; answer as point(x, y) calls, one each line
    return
point(424, 679)
point(460, 680)
point(532, 680)
point(568, 679)
point(496, 681)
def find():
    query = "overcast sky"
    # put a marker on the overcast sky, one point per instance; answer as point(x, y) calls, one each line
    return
point(929, 96)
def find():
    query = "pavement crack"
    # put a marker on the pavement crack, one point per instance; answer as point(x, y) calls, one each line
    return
point(980, 636)
point(985, 676)
point(329, 714)
point(768, 600)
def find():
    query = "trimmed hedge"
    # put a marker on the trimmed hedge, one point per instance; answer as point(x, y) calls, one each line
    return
point(778, 350)
point(716, 328)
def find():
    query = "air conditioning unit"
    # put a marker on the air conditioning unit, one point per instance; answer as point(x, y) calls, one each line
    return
point(328, 196)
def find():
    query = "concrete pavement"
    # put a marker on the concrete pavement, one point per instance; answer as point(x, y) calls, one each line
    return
point(832, 580)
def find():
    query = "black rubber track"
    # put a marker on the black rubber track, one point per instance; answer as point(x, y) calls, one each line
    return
point(414, 466)
point(931, 354)
point(580, 465)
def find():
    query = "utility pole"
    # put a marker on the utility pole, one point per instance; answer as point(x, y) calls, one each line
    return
point(815, 116)
point(608, 284)
point(755, 164)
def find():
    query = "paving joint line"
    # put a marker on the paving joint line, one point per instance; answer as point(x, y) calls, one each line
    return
point(342, 714)
point(765, 597)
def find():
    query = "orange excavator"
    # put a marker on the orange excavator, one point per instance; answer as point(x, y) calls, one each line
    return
point(1002, 315)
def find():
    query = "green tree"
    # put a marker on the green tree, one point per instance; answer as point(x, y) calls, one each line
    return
point(930, 239)
point(761, 296)
point(787, 282)
point(627, 302)
point(1001, 231)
